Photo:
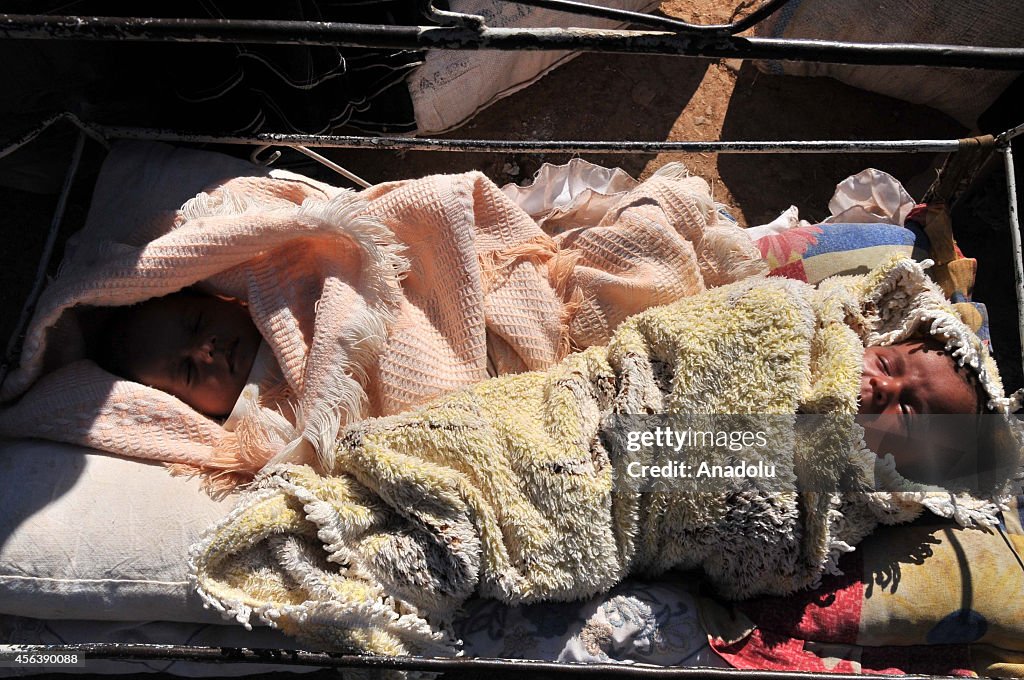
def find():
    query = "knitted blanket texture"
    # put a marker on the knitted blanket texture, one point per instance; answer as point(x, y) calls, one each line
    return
point(372, 302)
point(505, 489)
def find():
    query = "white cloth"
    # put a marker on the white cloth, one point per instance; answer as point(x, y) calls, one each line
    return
point(565, 196)
point(870, 196)
point(646, 622)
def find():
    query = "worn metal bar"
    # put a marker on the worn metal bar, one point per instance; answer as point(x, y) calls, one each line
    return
point(14, 344)
point(409, 663)
point(1018, 254)
point(535, 146)
point(653, 21)
point(463, 38)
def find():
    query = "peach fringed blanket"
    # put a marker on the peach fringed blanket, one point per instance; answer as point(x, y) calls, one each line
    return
point(372, 302)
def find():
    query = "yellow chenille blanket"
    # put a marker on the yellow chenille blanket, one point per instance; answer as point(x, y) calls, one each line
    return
point(505, 489)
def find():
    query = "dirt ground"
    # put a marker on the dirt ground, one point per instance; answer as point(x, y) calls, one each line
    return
point(633, 97)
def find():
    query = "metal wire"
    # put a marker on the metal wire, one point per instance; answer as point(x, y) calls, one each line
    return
point(103, 133)
point(350, 176)
point(468, 38)
point(447, 18)
point(21, 140)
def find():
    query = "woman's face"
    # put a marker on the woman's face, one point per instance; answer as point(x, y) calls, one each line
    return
point(196, 347)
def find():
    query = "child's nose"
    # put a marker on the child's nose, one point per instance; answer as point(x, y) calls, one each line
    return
point(203, 351)
point(883, 390)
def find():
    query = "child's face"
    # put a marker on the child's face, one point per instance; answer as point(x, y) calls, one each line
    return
point(198, 348)
point(901, 381)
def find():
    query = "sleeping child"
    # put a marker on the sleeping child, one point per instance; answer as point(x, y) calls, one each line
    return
point(514, 488)
point(196, 347)
point(354, 304)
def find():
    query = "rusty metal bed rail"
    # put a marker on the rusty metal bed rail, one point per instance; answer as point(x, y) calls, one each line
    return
point(222, 655)
point(455, 31)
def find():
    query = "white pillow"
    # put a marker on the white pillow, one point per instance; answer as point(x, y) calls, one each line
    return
point(85, 535)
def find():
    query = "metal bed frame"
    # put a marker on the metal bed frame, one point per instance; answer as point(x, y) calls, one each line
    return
point(454, 31)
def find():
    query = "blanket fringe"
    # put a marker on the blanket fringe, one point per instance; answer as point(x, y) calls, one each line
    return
point(342, 399)
point(559, 266)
